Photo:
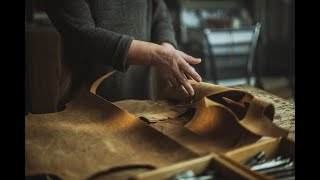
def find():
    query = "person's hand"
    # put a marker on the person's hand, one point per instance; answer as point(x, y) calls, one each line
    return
point(174, 66)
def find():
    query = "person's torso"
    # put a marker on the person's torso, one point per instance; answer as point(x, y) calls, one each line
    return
point(129, 17)
point(132, 18)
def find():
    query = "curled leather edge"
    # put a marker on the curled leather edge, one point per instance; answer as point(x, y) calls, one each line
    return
point(96, 83)
point(257, 119)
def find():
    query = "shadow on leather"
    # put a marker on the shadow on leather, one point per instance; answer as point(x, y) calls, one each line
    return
point(121, 172)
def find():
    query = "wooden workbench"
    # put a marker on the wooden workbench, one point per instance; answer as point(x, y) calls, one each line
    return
point(284, 117)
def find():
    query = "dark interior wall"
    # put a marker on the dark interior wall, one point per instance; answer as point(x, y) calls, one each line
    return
point(276, 50)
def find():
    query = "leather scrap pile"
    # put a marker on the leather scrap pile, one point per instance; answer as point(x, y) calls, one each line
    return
point(93, 135)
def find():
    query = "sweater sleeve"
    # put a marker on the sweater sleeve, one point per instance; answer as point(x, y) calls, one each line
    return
point(162, 29)
point(73, 20)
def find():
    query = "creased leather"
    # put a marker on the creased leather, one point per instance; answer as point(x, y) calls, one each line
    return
point(217, 105)
point(225, 118)
point(152, 111)
point(92, 135)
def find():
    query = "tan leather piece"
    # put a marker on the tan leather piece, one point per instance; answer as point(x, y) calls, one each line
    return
point(223, 119)
point(92, 135)
point(206, 144)
point(259, 117)
point(219, 109)
point(152, 111)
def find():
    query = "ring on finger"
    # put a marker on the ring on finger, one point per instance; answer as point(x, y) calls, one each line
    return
point(174, 81)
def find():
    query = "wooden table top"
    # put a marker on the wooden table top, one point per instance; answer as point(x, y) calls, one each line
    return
point(284, 109)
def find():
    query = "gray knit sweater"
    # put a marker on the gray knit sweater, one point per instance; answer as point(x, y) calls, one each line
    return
point(98, 33)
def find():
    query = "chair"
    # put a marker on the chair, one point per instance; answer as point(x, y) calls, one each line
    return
point(231, 51)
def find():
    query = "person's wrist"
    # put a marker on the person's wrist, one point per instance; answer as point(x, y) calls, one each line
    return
point(156, 51)
point(141, 53)
point(168, 45)
point(151, 53)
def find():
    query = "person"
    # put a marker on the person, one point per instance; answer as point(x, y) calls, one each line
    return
point(126, 35)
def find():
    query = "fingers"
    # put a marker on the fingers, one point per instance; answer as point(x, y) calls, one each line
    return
point(189, 69)
point(191, 72)
point(184, 90)
point(170, 83)
point(174, 82)
point(180, 71)
point(189, 58)
point(188, 76)
point(184, 82)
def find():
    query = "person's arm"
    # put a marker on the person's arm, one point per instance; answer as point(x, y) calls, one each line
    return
point(73, 20)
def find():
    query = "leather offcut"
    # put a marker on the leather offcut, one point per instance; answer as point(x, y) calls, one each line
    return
point(225, 118)
point(216, 105)
point(93, 135)
point(152, 111)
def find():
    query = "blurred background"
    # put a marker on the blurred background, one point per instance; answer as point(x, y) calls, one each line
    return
point(239, 42)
